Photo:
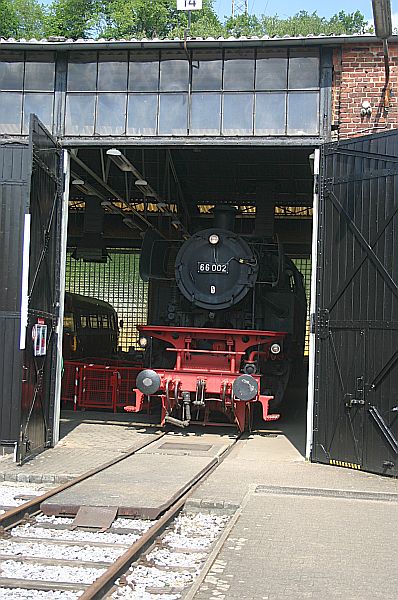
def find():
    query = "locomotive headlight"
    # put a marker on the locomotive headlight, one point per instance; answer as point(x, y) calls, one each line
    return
point(214, 239)
point(148, 381)
point(143, 342)
point(275, 348)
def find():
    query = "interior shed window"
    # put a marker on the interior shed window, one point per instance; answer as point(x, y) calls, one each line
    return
point(174, 72)
point(40, 74)
point(270, 114)
point(206, 71)
point(42, 106)
point(271, 70)
point(303, 71)
point(10, 112)
point(141, 114)
point(79, 119)
point(111, 114)
point(238, 114)
point(143, 73)
point(173, 114)
point(238, 70)
point(82, 73)
point(205, 114)
point(11, 71)
point(303, 113)
point(112, 72)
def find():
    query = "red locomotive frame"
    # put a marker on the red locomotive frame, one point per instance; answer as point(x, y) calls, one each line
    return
point(208, 373)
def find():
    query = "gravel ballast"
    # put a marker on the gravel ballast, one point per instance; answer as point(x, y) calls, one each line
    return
point(77, 536)
point(58, 573)
point(60, 552)
point(8, 493)
point(23, 594)
point(167, 571)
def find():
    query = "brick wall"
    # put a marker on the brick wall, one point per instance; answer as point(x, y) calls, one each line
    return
point(359, 76)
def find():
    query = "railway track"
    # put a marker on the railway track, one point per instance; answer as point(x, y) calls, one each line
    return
point(43, 557)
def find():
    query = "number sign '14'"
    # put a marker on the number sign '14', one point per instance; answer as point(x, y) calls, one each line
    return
point(189, 4)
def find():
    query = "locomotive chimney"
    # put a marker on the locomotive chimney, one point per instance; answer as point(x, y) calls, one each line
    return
point(224, 217)
point(265, 209)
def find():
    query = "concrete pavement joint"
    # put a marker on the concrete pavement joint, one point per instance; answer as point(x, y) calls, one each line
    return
point(212, 558)
point(326, 493)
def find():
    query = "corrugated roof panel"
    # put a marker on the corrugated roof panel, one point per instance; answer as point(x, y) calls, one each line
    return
point(64, 43)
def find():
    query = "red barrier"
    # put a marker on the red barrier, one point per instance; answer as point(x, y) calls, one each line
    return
point(100, 386)
point(126, 384)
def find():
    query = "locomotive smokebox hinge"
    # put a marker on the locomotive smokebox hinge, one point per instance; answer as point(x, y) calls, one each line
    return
point(321, 325)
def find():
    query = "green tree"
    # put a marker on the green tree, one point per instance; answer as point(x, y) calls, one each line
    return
point(243, 25)
point(139, 18)
point(73, 18)
point(31, 18)
point(156, 18)
point(304, 23)
point(8, 20)
point(204, 23)
point(350, 23)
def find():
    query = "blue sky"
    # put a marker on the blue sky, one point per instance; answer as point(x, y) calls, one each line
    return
point(285, 8)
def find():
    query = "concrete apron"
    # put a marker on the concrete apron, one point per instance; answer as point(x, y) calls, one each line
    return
point(147, 483)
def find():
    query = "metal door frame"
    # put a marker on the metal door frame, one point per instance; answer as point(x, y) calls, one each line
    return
point(362, 412)
point(313, 300)
point(64, 243)
point(42, 377)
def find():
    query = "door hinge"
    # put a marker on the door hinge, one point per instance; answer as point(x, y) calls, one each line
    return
point(322, 323)
point(312, 322)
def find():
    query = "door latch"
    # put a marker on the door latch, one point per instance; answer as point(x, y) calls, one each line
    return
point(350, 401)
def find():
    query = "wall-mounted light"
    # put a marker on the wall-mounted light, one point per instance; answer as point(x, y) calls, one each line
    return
point(85, 188)
point(141, 182)
point(111, 207)
point(120, 160)
point(366, 108)
point(113, 152)
point(311, 160)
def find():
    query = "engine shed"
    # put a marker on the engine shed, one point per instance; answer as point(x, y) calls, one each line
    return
point(108, 147)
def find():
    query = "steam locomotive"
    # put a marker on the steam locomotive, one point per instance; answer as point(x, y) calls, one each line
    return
point(227, 316)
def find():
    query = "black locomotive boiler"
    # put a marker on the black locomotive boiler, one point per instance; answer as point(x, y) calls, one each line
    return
point(220, 304)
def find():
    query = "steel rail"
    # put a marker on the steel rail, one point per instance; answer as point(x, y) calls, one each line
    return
point(17, 514)
point(105, 582)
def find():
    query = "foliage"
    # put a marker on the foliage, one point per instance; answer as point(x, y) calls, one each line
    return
point(304, 23)
point(8, 20)
point(31, 18)
point(243, 25)
point(157, 18)
point(350, 23)
point(204, 23)
point(73, 18)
